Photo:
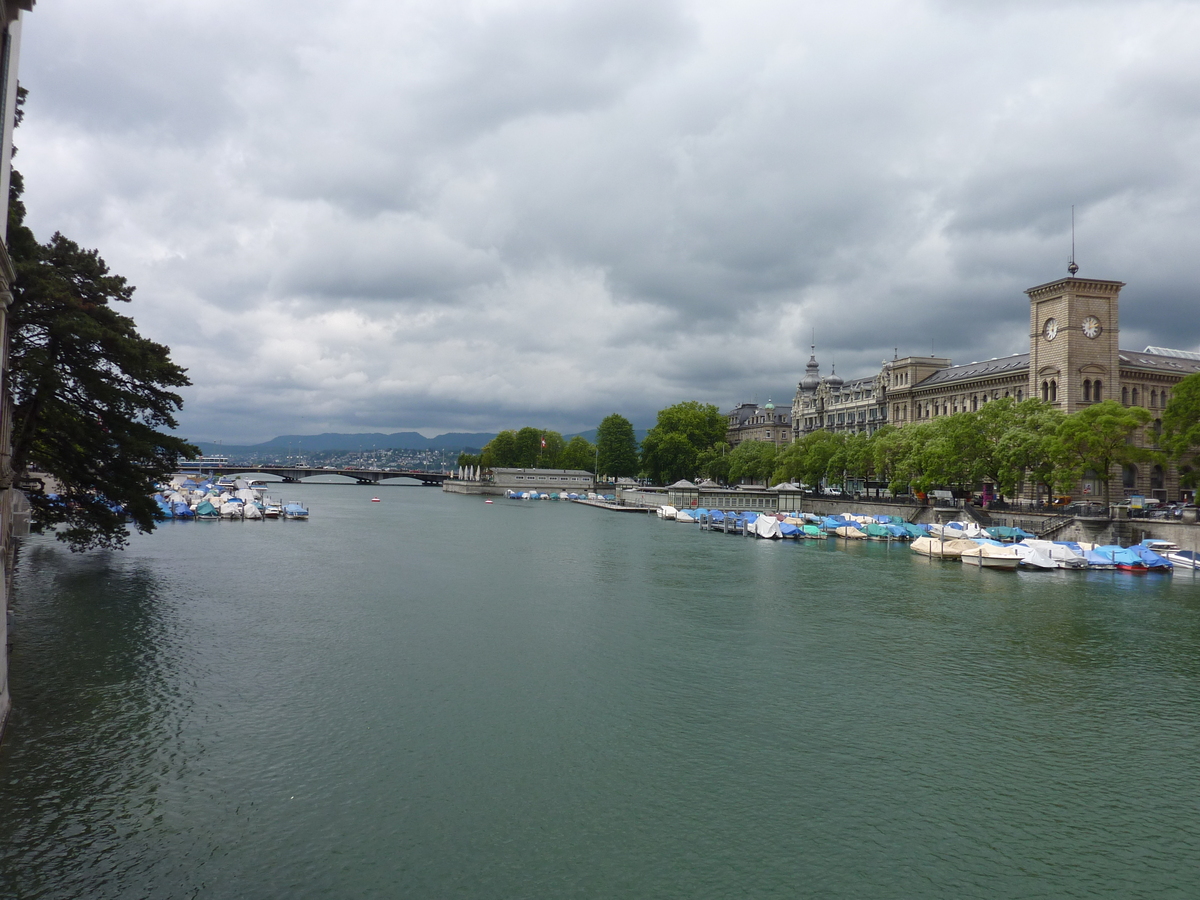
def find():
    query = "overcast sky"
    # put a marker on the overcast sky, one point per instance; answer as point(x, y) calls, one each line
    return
point(467, 216)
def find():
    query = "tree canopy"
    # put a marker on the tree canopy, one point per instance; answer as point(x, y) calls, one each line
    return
point(680, 434)
point(89, 394)
point(753, 461)
point(1098, 437)
point(617, 447)
point(580, 453)
point(1181, 428)
point(528, 448)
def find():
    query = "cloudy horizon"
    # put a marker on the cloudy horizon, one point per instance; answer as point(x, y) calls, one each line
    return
point(469, 216)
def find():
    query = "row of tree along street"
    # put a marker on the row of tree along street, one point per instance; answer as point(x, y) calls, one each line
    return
point(1005, 443)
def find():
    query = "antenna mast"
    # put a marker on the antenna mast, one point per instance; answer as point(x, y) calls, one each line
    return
point(1071, 267)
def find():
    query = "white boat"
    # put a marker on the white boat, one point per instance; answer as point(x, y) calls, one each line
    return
point(685, 517)
point(1182, 559)
point(957, 531)
point(941, 549)
point(990, 557)
point(1062, 555)
point(766, 527)
point(1032, 557)
point(667, 512)
point(232, 509)
point(1157, 546)
point(272, 509)
point(251, 511)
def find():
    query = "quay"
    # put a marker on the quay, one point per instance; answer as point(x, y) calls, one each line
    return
point(616, 507)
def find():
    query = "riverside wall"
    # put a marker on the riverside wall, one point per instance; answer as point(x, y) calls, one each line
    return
point(458, 486)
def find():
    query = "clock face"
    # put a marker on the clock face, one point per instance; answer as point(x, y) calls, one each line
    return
point(1091, 327)
point(1051, 329)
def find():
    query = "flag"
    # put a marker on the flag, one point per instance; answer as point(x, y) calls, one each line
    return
point(543, 442)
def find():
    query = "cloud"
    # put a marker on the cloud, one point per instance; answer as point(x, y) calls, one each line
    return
point(475, 215)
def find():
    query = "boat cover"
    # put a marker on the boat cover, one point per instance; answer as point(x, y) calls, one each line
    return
point(1120, 555)
point(1151, 559)
point(766, 527)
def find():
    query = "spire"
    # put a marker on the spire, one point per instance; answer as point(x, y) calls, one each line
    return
point(812, 372)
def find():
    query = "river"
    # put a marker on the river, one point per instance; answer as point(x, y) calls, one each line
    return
point(434, 697)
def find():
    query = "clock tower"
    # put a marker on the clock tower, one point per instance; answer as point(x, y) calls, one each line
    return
point(1073, 357)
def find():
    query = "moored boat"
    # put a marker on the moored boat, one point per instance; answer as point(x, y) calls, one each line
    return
point(951, 549)
point(991, 556)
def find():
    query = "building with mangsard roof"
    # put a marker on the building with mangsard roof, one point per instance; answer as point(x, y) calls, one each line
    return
point(1073, 362)
point(751, 422)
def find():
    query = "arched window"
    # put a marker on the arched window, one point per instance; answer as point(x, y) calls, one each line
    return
point(1053, 391)
point(1046, 391)
point(1153, 399)
point(1006, 395)
point(974, 403)
point(1135, 396)
point(1087, 391)
point(1129, 476)
point(1097, 394)
point(1125, 395)
point(1158, 479)
point(1020, 395)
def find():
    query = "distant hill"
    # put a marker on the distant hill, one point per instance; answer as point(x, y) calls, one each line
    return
point(401, 440)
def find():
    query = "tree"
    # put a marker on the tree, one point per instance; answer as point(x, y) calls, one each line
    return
point(698, 425)
point(528, 447)
point(753, 460)
point(954, 451)
point(617, 446)
point(851, 458)
point(807, 460)
point(551, 452)
point(668, 457)
point(501, 451)
point(88, 393)
point(1099, 437)
point(580, 453)
point(1027, 445)
point(1181, 427)
point(714, 462)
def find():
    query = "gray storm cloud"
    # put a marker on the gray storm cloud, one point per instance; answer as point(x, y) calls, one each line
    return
point(475, 215)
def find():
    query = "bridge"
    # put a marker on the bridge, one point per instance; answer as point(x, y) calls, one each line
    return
point(292, 474)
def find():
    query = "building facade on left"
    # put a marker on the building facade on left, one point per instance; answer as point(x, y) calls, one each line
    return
point(11, 14)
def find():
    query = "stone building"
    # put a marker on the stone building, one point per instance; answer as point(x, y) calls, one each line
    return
point(750, 422)
point(10, 46)
point(1073, 361)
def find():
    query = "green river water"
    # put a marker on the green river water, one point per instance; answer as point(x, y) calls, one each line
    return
point(433, 697)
